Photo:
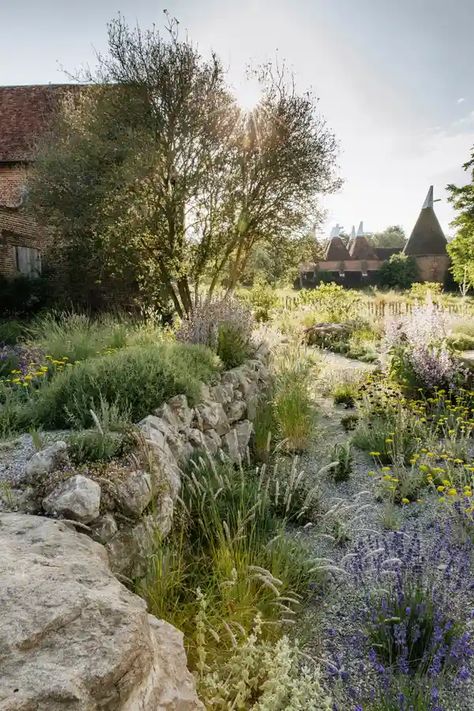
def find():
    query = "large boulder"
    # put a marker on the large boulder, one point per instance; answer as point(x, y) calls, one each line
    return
point(72, 637)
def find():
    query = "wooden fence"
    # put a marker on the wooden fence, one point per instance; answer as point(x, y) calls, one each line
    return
point(381, 309)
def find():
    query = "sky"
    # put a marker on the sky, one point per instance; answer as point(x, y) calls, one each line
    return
point(394, 79)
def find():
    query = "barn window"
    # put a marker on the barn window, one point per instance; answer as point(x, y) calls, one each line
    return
point(28, 261)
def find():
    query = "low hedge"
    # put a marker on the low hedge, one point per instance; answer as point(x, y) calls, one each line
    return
point(137, 379)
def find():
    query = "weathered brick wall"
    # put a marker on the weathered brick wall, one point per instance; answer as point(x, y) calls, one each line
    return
point(16, 228)
point(433, 268)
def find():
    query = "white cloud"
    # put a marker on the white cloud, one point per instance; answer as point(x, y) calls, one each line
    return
point(461, 99)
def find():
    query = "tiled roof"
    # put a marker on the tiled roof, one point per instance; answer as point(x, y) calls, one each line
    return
point(362, 249)
point(427, 237)
point(336, 250)
point(26, 112)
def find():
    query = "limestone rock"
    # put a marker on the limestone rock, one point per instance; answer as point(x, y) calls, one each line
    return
point(134, 493)
point(77, 498)
point(236, 441)
point(47, 460)
point(167, 465)
point(104, 528)
point(208, 440)
point(130, 548)
point(177, 413)
point(222, 393)
point(211, 416)
point(71, 636)
point(236, 410)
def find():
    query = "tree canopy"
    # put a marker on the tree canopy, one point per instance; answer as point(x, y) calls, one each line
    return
point(393, 236)
point(461, 249)
point(157, 184)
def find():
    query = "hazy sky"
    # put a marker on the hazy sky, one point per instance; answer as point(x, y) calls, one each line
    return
point(394, 77)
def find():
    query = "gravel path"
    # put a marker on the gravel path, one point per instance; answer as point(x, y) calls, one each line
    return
point(351, 512)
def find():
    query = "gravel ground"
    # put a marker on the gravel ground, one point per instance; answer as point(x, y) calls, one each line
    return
point(359, 514)
point(15, 453)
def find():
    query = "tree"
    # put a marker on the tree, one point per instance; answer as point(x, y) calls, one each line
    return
point(158, 184)
point(393, 236)
point(461, 249)
point(400, 272)
point(277, 261)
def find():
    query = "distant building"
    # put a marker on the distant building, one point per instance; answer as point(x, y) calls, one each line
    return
point(26, 113)
point(358, 263)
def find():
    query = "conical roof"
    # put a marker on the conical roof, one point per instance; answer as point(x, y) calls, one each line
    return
point(362, 249)
point(336, 250)
point(427, 237)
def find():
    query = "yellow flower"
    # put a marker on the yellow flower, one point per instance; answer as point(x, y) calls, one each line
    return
point(387, 477)
point(452, 492)
point(389, 441)
point(385, 469)
point(374, 454)
point(405, 501)
point(446, 482)
point(440, 488)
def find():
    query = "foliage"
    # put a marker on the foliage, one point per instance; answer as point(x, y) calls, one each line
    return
point(268, 671)
point(262, 299)
point(386, 429)
point(419, 356)
point(22, 296)
point(345, 393)
point(425, 291)
point(77, 336)
point(224, 325)
point(399, 272)
point(158, 184)
point(265, 428)
point(137, 379)
point(393, 236)
point(11, 332)
point(228, 543)
point(276, 262)
point(461, 248)
point(331, 301)
point(342, 456)
point(411, 619)
point(293, 406)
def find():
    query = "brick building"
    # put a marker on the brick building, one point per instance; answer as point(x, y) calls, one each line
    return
point(358, 263)
point(26, 113)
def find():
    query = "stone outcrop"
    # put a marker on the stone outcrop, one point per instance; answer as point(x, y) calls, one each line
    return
point(126, 511)
point(72, 637)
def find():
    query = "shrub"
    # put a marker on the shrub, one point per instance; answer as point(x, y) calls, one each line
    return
point(418, 354)
point(259, 675)
point(11, 332)
point(411, 620)
point(346, 393)
point(423, 291)
point(21, 297)
point(333, 302)
point(342, 456)
point(94, 446)
point(293, 405)
point(224, 325)
point(77, 336)
point(399, 272)
point(461, 342)
point(136, 379)
point(262, 299)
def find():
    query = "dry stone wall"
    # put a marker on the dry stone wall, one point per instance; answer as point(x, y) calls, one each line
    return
point(125, 512)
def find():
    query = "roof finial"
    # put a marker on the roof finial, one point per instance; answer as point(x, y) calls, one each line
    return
point(429, 199)
point(360, 231)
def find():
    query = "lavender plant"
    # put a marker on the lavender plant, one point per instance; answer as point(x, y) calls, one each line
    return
point(225, 325)
point(416, 349)
point(410, 631)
